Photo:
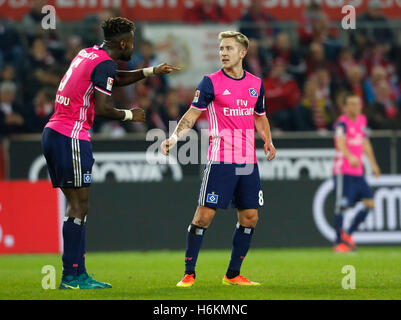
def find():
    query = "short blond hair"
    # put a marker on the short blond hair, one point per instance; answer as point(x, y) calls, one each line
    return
point(238, 36)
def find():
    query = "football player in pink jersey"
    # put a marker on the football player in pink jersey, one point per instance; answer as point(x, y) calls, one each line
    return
point(234, 102)
point(84, 91)
point(351, 143)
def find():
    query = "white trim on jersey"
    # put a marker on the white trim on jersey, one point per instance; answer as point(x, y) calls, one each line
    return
point(76, 162)
point(192, 106)
point(339, 192)
point(214, 133)
point(201, 200)
point(82, 113)
point(103, 91)
point(260, 114)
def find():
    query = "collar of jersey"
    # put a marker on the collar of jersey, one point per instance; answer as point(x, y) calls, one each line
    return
point(232, 77)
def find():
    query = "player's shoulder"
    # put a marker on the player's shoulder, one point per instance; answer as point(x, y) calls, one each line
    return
point(340, 122)
point(96, 54)
point(342, 119)
point(251, 76)
point(214, 75)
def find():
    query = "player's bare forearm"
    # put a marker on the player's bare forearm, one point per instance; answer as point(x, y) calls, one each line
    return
point(187, 122)
point(263, 128)
point(103, 107)
point(127, 77)
point(184, 125)
point(368, 150)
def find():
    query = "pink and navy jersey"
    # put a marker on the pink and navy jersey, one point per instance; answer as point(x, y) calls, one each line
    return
point(92, 69)
point(230, 105)
point(355, 134)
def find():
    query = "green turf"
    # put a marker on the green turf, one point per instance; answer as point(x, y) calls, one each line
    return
point(284, 274)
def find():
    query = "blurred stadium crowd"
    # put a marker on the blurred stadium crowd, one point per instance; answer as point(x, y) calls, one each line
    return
point(304, 80)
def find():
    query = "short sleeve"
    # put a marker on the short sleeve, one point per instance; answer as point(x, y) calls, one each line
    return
point(204, 94)
point(260, 103)
point(340, 129)
point(103, 76)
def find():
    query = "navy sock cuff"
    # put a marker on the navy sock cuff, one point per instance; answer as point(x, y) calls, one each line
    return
point(246, 230)
point(75, 220)
point(196, 229)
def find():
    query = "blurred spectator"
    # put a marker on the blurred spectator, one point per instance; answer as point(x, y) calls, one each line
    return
point(383, 113)
point(373, 27)
point(339, 101)
point(146, 57)
point(325, 90)
point(371, 84)
point(7, 73)
point(74, 45)
point(39, 56)
point(345, 61)
point(313, 25)
point(354, 81)
point(92, 26)
point(43, 70)
point(313, 113)
point(374, 55)
point(295, 63)
point(282, 95)
point(316, 59)
point(254, 61)
point(32, 26)
point(42, 77)
point(205, 11)
point(257, 24)
point(11, 118)
point(172, 109)
point(41, 110)
point(10, 44)
point(153, 118)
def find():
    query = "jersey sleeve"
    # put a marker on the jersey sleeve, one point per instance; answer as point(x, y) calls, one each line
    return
point(103, 76)
point(260, 103)
point(204, 94)
point(339, 129)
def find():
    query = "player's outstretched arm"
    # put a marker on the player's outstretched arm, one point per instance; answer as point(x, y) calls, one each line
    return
point(368, 150)
point(184, 125)
point(263, 128)
point(127, 77)
point(103, 108)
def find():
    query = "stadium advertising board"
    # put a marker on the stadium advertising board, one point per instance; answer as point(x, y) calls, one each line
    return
point(113, 163)
point(382, 226)
point(174, 10)
point(297, 187)
point(30, 217)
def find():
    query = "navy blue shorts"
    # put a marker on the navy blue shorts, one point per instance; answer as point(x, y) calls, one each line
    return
point(350, 189)
point(226, 183)
point(69, 160)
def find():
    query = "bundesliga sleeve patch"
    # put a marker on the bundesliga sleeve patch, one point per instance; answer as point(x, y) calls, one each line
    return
point(196, 97)
point(110, 83)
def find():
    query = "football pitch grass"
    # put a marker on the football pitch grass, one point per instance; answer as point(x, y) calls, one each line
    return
point(313, 273)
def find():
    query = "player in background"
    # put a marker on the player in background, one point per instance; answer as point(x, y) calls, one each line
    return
point(351, 143)
point(85, 90)
point(234, 102)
